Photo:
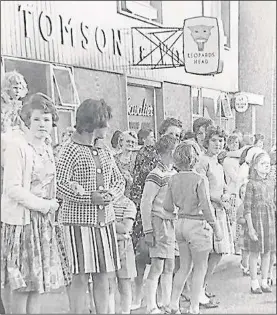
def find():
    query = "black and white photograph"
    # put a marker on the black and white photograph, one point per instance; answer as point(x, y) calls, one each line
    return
point(138, 157)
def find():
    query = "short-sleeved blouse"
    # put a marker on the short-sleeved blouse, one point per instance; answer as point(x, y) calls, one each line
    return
point(210, 167)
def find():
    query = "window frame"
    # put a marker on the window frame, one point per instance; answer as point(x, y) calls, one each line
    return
point(128, 13)
point(215, 10)
point(55, 82)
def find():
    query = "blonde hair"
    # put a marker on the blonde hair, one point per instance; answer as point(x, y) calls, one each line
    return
point(185, 156)
point(14, 78)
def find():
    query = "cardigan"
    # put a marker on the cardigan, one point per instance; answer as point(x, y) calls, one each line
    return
point(17, 199)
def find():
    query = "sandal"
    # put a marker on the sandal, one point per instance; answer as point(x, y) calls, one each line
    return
point(256, 291)
point(270, 281)
point(266, 289)
point(155, 310)
point(168, 310)
point(209, 305)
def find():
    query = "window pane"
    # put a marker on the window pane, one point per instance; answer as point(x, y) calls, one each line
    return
point(35, 74)
point(63, 122)
point(225, 16)
point(65, 86)
point(140, 107)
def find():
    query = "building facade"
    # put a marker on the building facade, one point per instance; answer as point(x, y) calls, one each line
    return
point(257, 68)
point(89, 49)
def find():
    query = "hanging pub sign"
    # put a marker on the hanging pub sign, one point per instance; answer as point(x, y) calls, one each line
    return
point(196, 46)
point(241, 103)
point(202, 51)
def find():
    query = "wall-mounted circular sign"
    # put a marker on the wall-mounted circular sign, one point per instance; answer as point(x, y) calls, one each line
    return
point(241, 103)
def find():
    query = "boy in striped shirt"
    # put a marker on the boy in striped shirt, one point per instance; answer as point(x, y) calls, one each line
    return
point(159, 225)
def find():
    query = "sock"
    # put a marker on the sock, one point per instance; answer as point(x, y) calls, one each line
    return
point(264, 283)
point(166, 284)
point(203, 298)
point(255, 284)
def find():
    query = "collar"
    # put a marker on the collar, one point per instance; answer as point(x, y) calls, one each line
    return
point(77, 138)
point(163, 167)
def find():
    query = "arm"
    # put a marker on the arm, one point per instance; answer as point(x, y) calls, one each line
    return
point(149, 193)
point(125, 226)
point(204, 201)
point(168, 201)
point(13, 178)
point(248, 204)
point(236, 153)
point(117, 183)
point(231, 170)
point(65, 169)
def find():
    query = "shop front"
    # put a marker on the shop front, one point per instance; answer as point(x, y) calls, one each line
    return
point(71, 60)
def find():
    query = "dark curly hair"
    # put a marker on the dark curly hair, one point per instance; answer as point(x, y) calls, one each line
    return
point(201, 121)
point(142, 135)
point(115, 138)
point(167, 123)
point(166, 144)
point(92, 114)
point(258, 137)
point(213, 131)
point(38, 101)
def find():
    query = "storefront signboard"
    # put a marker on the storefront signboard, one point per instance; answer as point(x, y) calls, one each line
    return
point(241, 103)
point(202, 51)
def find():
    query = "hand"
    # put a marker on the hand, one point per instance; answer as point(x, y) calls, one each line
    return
point(253, 235)
point(101, 198)
point(149, 239)
point(54, 205)
point(218, 233)
point(78, 189)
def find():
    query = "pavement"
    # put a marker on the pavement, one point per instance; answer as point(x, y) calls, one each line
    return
point(231, 288)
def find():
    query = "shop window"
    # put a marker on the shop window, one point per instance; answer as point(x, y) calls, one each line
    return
point(225, 17)
point(149, 11)
point(36, 74)
point(196, 99)
point(141, 107)
point(2, 68)
point(66, 119)
point(65, 92)
point(222, 11)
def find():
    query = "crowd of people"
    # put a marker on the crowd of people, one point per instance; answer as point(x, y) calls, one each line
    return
point(86, 217)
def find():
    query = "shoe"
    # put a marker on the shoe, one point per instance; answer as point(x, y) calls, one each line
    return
point(155, 311)
point(209, 294)
point(256, 291)
point(266, 289)
point(189, 312)
point(167, 310)
point(270, 281)
point(135, 307)
point(211, 304)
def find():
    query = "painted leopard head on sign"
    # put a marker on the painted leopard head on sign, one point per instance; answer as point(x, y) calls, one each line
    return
point(200, 34)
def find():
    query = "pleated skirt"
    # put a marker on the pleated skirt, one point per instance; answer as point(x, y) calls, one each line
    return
point(91, 249)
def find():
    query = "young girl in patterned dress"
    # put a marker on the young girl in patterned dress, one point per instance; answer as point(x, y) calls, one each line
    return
point(259, 212)
point(30, 261)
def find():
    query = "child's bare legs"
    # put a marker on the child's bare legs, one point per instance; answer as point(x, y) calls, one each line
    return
point(213, 261)
point(6, 296)
point(112, 289)
point(101, 292)
point(77, 293)
point(19, 302)
point(271, 265)
point(141, 266)
point(265, 262)
point(253, 260)
point(125, 290)
point(166, 280)
point(156, 269)
point(181, 275)
point(245, 258)
point(200, 264)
